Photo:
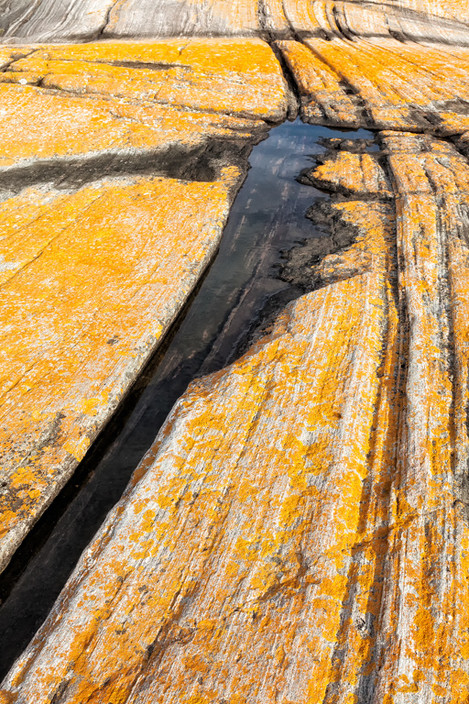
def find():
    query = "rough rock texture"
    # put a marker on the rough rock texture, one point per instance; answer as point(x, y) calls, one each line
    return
point(299, 531)
point(405, 20)
point(96, 261)
point(45, 20)
point(381, 86)
point(160, 18)
point(70, 20)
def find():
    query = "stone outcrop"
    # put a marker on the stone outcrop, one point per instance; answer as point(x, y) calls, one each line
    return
point(299, 526)
point(72, 20)
point(299, 531)
point(96, 260)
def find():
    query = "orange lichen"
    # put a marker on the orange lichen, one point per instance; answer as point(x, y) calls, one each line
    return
point(299, 531)
point(235, 76)
point(229, 510)
point(298, 510)
point(78, 248)
point(93, 274)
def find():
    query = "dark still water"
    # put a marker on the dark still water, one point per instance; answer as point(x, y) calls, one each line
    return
point(268, 218)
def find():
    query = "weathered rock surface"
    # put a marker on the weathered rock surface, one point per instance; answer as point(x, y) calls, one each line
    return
point(96, 260)
point(299, 531)
point(299, 528)
point(381, 86)
point(425, 21)
point(72, 20)
point(233, 78)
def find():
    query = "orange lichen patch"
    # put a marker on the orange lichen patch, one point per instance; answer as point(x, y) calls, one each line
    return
point(91, 282)
point(322, 94)
point(299, 528)
point(424, 620)
point(9, 54)
point(378, 84)
point(106, 98)
point(192, 622)
point(224, 571)
point(90, 127)
point(423, 616)
point(207, 55)
point(412, 20)
point(405, 623)
point(439, 72)
point(415, 83)
point(299, 531)
point(351, 173)
point(369, 248)
point(236, 76)
point(215, 56)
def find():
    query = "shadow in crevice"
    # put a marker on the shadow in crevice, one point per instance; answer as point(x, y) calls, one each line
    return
point(197, 163)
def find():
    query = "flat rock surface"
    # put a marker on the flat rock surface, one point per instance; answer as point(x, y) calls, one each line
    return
point(288, 495)
point(298, 533)
point(96, 262)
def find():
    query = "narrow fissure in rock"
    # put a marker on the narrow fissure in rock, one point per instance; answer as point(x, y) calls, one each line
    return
point(267, 246)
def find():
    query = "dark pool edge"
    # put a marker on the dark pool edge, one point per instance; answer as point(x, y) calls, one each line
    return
point(44, 528)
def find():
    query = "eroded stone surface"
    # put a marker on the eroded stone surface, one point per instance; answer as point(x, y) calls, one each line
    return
point(381, 85)
point(231, 77)
point(180, 626)
point(96, 260)
point(299, 531)
point(301, 515)
point(70, 20)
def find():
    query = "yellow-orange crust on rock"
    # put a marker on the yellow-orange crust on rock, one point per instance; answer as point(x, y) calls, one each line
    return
point(306, 501)
point(85, 299)
point(96, 260)
point(299, 531)
point(230, 552)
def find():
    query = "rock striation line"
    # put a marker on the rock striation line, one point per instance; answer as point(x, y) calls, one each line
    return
point(48, 20)
point(440, 21)
point(381, 86)
point(254, 441)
